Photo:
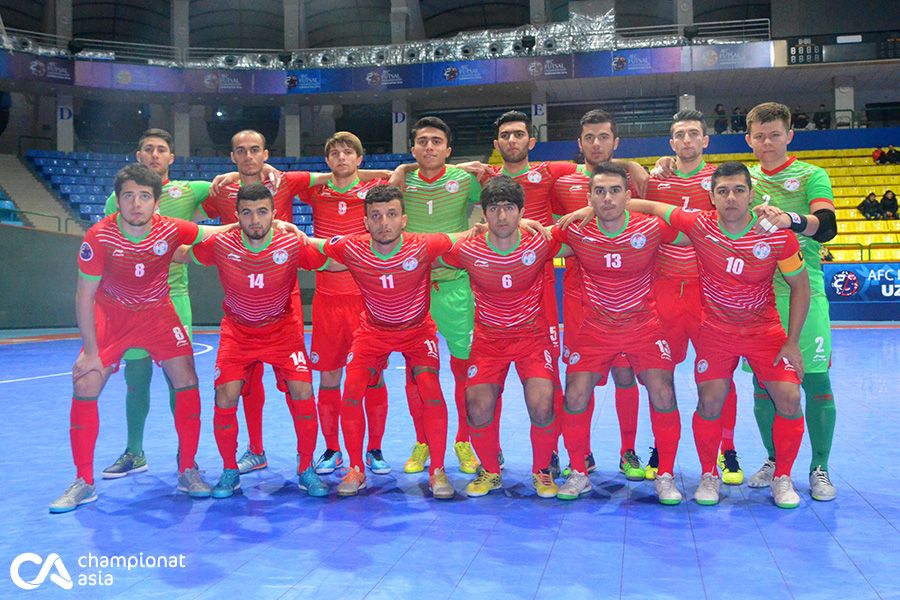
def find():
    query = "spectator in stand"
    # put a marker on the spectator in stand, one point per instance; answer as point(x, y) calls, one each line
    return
point(822, 118)
point(801, 119)
point(892, 155)
point(738, 119)
point(878, 156)
point(870, 207)
point(889, 205)
point(721, 123)
point(825, 254)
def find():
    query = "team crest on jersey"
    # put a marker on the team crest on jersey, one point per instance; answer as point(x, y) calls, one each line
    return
point(534, 177)
point(452, 186)
point(361, 194)
point(410, 264)
point(565, 353)
point(638, 241)
point(314, 357)
point(175, 192)
point(86, 253)
point(762, 250)
point(528, 258)
point(473, 370)
point(335, 239)
point(160, 247)
point(574, 358)
point(279, 257)
point(702, 365)
point(792, 184)
point(706, 184)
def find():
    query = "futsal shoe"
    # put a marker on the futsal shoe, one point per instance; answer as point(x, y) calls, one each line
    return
point(191, 483)
point(78, 493)
point(467, 462)
point(229, 483)
point(589, 460)
point(483, 484)
point(252, 462)
point(440, 485)
point(763, 477)
point(376, 463)
point(820, 486)
point(707, 493)
point(501, 460)
point(310, 483)
point(544, 485)
point(630, 466)
point(553, 468)
point(418, 460)
point(666, 490)
point(576, 486)
point(126, 464)
point(730, 468)
point(652, 464)
point(783, 492)
point(352, 482)
point(329, 462)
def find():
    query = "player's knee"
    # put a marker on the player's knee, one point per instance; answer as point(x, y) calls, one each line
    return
point(300, 390)
point(576, 399)
point(623, 377)
point(662, 397)
point(330, 379)
point(541, 414)
point(88, 385)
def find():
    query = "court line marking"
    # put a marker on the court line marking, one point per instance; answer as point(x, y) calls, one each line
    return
point(206, 348)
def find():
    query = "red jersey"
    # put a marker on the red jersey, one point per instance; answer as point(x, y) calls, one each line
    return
point(258, 282)
point(537, 180)
point(338, 211)
point(736, 271)
point(508, 286)
point(617, 267)
point(684, 190)
point(285, 186)
point(133, 273)
point(395, 287)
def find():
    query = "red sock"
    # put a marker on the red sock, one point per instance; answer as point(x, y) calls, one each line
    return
point(306, 426)
point(787, 434)
point(707, 434)
point(576, 429)
point(353, 421)
point(376, 414)
point(187, 424)
point(667, 432)
point(485, 442)
point(254, 399)
point(225, 427)
point(84, 424)
point(543, 440)
point(434, 413)
point(498, 409)
point(627, 403)
point(729, 418)
point(459, 368)
point(329, 416)
point(414, 401)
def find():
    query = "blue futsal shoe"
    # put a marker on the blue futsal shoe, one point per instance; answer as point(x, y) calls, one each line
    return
point(329, 462)
point(376, 463)
point(228, 483)
point(310, 482)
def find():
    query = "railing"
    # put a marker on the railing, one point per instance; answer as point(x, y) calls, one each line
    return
point(880, 246)
point(856, 247)
point(744, 31)
point(21, 212)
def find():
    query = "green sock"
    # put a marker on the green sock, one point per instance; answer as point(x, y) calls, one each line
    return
point(764, 411)
point(820, 417)
point(137, 400)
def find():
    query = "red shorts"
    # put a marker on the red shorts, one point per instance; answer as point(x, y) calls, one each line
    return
point(279, 344)
point(157, 329)
point(372, 346)
point(718, 354)
point(644, 346)
point(678, 305)
point(551, 308)
point(335, 318)
point(493, 351)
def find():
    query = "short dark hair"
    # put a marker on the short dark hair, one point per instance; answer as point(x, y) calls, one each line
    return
point(511, 116)
point(157, 133)
point(768, 112)
point(502, 188)
point(262, 138)
point(729, 169)
point(434, 122)
point(595, 116)
point(141, 175)
point(253, 192)
point(688, 115)
point(384, 193)
point(610, 168)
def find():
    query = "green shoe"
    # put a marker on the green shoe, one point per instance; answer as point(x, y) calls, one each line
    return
point(630, 465)
point(126, 464)
point(228, 483)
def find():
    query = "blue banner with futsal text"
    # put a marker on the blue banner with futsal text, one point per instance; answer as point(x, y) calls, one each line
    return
point(863, 291)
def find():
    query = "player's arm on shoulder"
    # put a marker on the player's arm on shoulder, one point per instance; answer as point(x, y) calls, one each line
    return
point(637, 174)
point(182, 255)
point(398, 176)
point(223, 180)
point(649, 207)
point(89, 359)
point(820, 225)
point(664, 167)
point(110, 206)
point(480, 170)
point(207, 231)
point(580, 218)
point(372, 174)
point(535, 228)
point(797, 277)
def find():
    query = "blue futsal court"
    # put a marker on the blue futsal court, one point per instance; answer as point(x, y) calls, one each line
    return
point(272, 541)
